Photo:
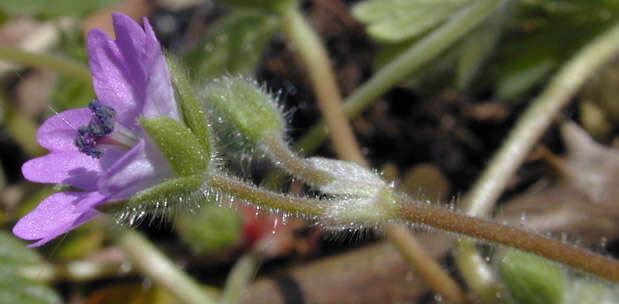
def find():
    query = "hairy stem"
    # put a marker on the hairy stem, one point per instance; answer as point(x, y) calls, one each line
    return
point(308, 46)
point(279, 152)
point(422, 213)
point(437, 217)
point(153, 264)
point(67, 67)
point(485, 192)
point(266, 199)
point(408, 62)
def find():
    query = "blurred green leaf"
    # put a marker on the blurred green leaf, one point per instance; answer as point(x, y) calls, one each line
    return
point(517, 82)
point(398, 20)
point(15, 289)
point(476, 49)
point(274, 6)
point(531, 279)
point(14, 254)
point(234, 47)
point(210, 229)
point(52, 8)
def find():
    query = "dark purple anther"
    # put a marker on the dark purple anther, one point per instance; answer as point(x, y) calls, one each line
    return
point(100, 125)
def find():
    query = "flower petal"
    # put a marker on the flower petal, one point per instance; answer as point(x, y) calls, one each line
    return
point(58, 132)
point(56, 215)
point(130, 74)
point(112, 79)
point(159, 92)
point(72, 167)
point(140, 168)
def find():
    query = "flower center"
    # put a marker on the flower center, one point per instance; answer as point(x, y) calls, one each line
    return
point(102, 129)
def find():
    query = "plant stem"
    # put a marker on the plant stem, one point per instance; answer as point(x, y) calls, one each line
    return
point(67, 67)
point(408, 62)
point(308, 46)
point(489, 186)
point(278, 202)
point(293, 164)
point(152, 263)
point(422, 213)
point(437, 217)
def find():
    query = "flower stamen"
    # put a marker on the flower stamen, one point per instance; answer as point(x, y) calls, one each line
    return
point(102, 128)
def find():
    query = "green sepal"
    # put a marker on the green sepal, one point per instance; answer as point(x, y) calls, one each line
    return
point(193, 113)
point(531, 279)
point(179, 145)
point(239, 103)
point(166, 194)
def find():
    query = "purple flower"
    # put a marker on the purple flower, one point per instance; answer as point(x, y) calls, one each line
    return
point(102, 149)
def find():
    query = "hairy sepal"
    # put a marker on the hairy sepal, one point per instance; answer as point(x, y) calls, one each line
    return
point(349, 179)
point(193, 112)
point(185, 152)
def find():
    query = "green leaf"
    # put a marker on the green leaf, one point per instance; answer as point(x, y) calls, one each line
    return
point(272, 6)
point(211, 229)
point(477, 48)
point(531, 279)
point(193, 112)
point(53, 8)
point(17, 290)
point(14, 254)
point(179, 145)
point(234, 47)
point(517, 82)
point(398, 20)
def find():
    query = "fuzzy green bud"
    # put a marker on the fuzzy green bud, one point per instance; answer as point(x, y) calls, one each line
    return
point(244, 110)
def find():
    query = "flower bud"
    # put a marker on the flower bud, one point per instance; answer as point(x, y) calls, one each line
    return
point(242, 110)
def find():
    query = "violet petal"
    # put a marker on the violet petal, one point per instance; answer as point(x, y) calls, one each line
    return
point(112, 79)
point(140, 168)
point(73, 168)
point(56, 215)
point(58, 132)
point(159, 92)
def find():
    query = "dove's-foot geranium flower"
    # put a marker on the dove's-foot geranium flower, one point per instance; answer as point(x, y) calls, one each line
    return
point(102, 150)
